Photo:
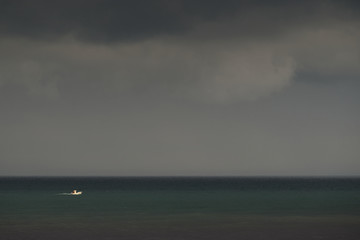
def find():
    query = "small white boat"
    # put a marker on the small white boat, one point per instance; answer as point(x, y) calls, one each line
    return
point(74, 192)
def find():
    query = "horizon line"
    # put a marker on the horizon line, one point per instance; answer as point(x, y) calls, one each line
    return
point(179, 176)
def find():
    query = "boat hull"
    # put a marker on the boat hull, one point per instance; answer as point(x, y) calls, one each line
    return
point(77, 193)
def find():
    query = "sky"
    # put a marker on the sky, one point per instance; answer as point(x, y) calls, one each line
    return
point(179, 88)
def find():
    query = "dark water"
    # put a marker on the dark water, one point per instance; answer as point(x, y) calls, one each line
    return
point(180, 208)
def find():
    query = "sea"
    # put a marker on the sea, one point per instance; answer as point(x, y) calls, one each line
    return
point(179, 208)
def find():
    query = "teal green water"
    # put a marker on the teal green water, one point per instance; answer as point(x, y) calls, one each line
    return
point(161, 196)
point(108, 201)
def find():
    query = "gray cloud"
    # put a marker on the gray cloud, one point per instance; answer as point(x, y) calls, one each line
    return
point(106, 20)
point(305, 131)
point(112, 21)
point(179, 88)
point(214, 71)
point(218, 70)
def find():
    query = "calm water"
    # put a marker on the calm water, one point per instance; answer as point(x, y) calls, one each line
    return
point(175, 208)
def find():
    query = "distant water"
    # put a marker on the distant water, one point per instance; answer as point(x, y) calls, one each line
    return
point(180, 208)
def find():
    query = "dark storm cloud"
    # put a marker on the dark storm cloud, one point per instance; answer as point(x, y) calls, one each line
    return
point(111, 21)
point(208, 49)
point(179, 87)
point(104, 20)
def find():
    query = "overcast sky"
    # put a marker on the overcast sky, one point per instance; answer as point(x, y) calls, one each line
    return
point(179, 88)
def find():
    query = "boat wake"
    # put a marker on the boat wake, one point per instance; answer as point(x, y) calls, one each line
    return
point(75, 192)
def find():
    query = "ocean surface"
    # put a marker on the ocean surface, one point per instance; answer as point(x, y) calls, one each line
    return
point(179, 208)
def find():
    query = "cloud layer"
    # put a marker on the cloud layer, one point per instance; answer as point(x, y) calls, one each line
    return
point(234, 52)
point(183, 87)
